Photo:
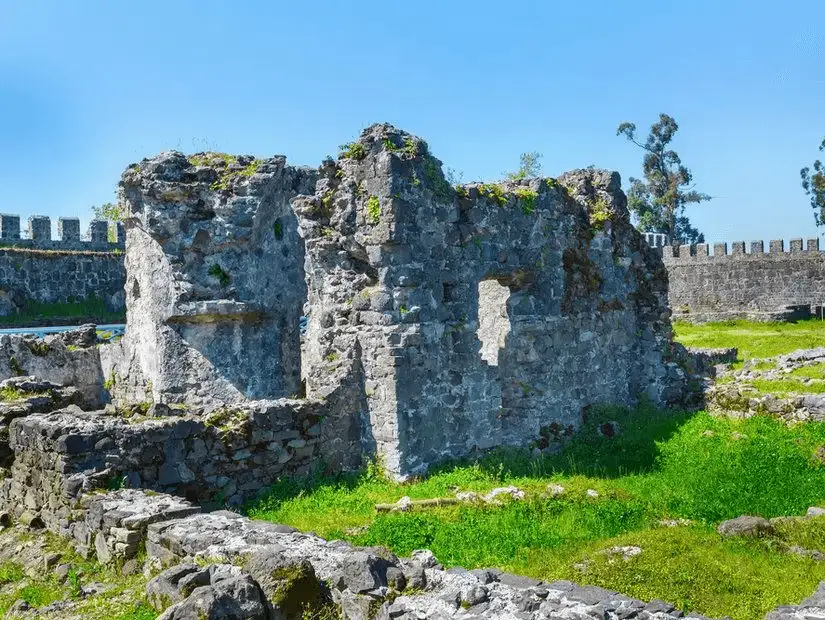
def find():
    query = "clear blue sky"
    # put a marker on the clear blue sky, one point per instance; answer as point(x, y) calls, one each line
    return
point(87, 87)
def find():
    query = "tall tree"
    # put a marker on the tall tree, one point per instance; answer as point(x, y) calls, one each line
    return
point(658, 202)
point(814, 186)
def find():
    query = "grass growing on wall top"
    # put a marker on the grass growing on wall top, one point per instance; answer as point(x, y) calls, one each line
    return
point(754, 340)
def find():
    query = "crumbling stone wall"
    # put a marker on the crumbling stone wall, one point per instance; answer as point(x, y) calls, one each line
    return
point(215, 287)
point(68, 269)
point(755, 285)
point(395, 256)
point(224, 458)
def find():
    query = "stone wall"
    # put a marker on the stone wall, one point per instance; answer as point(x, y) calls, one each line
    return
point(224, 458)
point(215, 288)
point(69, 269)
point(746, 282)
point(395, 261)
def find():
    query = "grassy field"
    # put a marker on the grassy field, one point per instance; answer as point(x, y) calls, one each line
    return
point(754, 340)
point(662, 467)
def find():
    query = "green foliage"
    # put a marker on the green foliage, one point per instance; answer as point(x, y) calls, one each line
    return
point(754, 340)
point(440, 186)
point(814, 185)
point(527, 199)
point(353, 150)
point(216, 271)
point(494, 192)
point(659, 201)
point(529, 166)
point(373, 210)
point(599, 214)
point(278, 229)
point(113, 213)
point(8, 394)
point(662, 465)
point(90, 310)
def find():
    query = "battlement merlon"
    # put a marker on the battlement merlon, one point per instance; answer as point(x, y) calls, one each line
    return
point(739, 250)
point(39, 228)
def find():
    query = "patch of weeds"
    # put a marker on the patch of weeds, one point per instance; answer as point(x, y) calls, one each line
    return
point(11, 394)
point(15, 366)
point(278, 229)
point(527, 199)
point(38, 348)
point(494, 192)
point(599, 214)
point(441, 187)
point(353, 150)
point(334, 356)
point(373, 210)
point(228, 422)
point(217, 272)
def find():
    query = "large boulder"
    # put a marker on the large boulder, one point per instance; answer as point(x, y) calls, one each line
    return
point(290, 584)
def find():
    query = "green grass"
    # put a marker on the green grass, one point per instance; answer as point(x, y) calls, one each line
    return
point(754, 340)
point(662, 465)
point(786, 386)
point(124, 600)
point(90, 310)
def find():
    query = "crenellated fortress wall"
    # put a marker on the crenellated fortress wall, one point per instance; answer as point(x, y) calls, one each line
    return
point(36, 270)
point(745, 281)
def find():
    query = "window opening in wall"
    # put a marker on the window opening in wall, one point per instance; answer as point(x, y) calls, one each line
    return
point(493, 320)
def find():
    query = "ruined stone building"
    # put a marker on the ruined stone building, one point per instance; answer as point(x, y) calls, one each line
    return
point(441, 320)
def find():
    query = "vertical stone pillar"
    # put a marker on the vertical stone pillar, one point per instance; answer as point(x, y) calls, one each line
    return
point(68, 229)
point(9, 227)
point(99, 232)
point(40, 229)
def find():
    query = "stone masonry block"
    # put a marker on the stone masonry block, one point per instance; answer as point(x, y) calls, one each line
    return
point(68, 229)
point(40, 228)
point(9, 227)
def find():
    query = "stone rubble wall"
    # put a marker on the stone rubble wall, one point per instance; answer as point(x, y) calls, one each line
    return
point(367, 582)
point(395, 256)
point(215, 288)
point(225, 458)
point(60, 276)
point(732, 283)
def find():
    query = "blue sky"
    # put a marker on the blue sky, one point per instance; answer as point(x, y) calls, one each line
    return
point(87, 87)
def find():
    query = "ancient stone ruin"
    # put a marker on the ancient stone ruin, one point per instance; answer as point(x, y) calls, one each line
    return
point(440, 321)
point(454, 320)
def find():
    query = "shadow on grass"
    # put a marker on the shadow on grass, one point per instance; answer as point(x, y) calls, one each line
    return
point(588, 452)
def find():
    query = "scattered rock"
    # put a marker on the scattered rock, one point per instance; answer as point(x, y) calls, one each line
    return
point(592, 493)
point(746, 526)
point(556, 490)
point(625, 553)
point(815, 511)
point(511, 491)
point(609, 429)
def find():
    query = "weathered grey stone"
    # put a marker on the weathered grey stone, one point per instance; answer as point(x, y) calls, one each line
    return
point(289, 584)
point(746, 525)
point(165, 589)
point(234, 596)
point(397, 262)
point(219, 233)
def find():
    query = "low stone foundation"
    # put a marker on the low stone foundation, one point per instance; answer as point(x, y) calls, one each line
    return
point(226, 457)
